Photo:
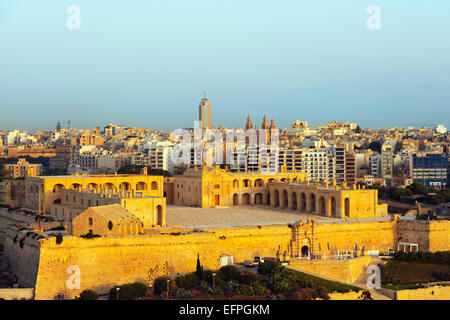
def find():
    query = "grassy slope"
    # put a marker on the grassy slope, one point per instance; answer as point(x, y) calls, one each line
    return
point(331, 286)
point(412, 272)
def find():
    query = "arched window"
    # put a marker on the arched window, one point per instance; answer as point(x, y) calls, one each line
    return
point(154, 185)
point(141, 186)
point(58, 187)
point(91, 221)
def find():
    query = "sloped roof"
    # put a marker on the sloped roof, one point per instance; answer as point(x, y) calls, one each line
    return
point(112, 212)
point(192, 172)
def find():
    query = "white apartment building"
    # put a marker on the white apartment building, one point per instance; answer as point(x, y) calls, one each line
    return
point(375, 165)
point(316, 164)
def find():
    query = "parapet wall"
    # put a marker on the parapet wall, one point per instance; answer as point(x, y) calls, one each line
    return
point(347, 271)
point(430, 235)
point(432, 293)
point(16, 293)
point(107, 261)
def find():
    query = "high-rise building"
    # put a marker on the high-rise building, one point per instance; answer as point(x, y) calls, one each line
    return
point(290, 158)
point(316, 165)
point(387, 159)
point(205, 107)
point(339, 156)
point(350, 167)
point(430, 169)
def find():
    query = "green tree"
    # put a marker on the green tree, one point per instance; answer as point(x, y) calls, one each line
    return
point(375, 146)
point(129, 291)
point(199, 269)
point(418, 188)
point(88, 295)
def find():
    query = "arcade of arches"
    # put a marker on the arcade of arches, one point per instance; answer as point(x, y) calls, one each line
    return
point(212, 187)
point(327, 201)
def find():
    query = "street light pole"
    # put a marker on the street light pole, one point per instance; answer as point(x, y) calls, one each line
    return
point(168, 280)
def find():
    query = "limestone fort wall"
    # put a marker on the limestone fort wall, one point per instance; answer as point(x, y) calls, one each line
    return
point(108, 261)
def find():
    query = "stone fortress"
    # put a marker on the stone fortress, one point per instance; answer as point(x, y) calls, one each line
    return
point(138, 220)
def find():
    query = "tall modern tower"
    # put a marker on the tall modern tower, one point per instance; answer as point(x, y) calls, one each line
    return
point(205, 107)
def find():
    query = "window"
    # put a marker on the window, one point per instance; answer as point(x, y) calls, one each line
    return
point(90, 221)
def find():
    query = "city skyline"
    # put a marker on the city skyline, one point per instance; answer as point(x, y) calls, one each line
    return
point(146, 64)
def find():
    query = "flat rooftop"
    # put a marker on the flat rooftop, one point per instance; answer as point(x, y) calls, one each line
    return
point(91, 176)
point(228, 217)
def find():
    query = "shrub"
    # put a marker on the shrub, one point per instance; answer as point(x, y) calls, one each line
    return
point(259, 289)
point(229, 273)
point(90, 235)
point(301, 294)
point(267, 267)
point(160, 285)
point(441, 276)
point(281, 280)
point(366, 295)
point(248, 278)
point(187, 281)
point(322, 293)
point(244, 290)
point(129, 291)
point(88, 295)
point(439, 257)
point(232, 285)
point(181, 293)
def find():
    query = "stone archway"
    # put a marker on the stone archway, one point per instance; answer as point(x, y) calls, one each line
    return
point(246, 199)
point(333, 207)
point(304, 251)
point(285, 200)
point(302, 201)
point(276, 198)
point(258, 198)
point(294, 201)
point(322, 206)
point(235, 199)
point(312, 203)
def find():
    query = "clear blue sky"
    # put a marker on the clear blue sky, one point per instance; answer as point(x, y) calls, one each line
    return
point(146, 63)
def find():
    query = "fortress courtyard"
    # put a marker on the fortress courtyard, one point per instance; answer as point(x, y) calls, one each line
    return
point(192, 217)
